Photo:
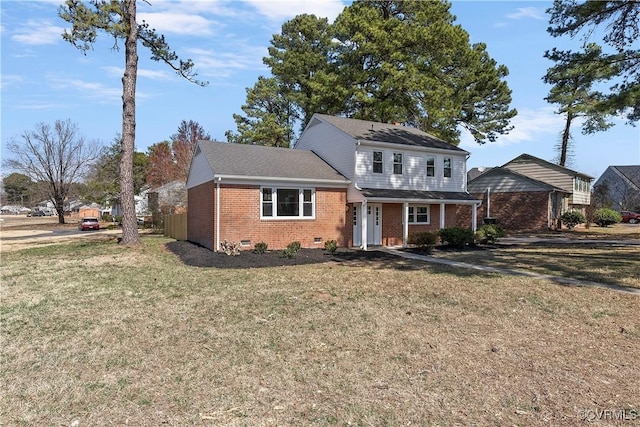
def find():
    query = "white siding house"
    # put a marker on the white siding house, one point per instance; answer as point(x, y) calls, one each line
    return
point(402, 179)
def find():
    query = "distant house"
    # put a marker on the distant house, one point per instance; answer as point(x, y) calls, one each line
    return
point(358, 182)
point(528, 193)
point(619, 187)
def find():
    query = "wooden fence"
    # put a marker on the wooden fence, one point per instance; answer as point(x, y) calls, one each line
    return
point(175, 226)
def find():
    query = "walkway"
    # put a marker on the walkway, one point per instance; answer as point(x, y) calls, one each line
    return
point(558, 279)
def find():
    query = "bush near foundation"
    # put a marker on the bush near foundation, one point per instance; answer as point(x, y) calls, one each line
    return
point(424, 241)
point(489, 233)
point(572, 218)
point(456, 236)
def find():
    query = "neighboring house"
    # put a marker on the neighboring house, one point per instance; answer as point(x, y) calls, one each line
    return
point(515, 201)
point(168, 198)
point(619, 187)
point(528, 193)
point(577, 184)
point(361, 183)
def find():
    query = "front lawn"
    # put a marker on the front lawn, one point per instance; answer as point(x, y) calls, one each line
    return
point(98, 334)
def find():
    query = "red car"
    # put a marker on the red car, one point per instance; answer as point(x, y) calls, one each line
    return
point(630, 217)
point(89, 224)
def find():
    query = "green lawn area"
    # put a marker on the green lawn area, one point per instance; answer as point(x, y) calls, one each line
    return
point(98, 334)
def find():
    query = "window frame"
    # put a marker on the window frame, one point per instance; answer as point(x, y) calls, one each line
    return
point(446, 168)
point(413, 214)
point(431, 167)
point(396, 164)
point(380, 162)
point(306, 198)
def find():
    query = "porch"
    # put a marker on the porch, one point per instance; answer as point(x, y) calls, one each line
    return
point(388, 217)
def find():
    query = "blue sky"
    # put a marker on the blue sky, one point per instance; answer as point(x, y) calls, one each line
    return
point(45, 79)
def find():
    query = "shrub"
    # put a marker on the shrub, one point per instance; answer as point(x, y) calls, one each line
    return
point(291, 250)
point(572, 218)
point(423, 240)
point(456, 236)
point(605, 217)
point(230, 248)
point(331, 246)
point(260, 248)
point(489, 233)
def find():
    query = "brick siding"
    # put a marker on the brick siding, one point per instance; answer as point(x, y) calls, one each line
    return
point(200, 215)
point(525, 211)
point(240, 219)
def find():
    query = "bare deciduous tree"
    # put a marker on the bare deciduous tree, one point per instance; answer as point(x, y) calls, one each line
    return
point(54, 155)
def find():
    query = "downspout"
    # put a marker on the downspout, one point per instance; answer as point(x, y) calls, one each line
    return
point(218, 214)
point(488, 215)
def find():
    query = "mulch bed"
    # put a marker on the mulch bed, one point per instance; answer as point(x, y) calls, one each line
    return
point(199, 256)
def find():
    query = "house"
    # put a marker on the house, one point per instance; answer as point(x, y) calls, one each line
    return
point(619, 187)
point(402, 180)
point(358, 182)
point(528, 193)
point(516, 202)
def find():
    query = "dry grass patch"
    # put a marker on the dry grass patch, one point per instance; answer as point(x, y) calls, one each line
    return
point(158, 342)
point(614, 265)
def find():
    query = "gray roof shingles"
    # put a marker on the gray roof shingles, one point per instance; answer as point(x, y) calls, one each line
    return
point(364, 130)
point(257, 161)
point(415, 194)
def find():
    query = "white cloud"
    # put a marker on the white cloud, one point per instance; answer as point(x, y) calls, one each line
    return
point(178, 23)
point(91, 90)
point(38, 32)
point(117, 72)
point(529, 125)
point(284, 9)
point(224, 64)
point(528, 12)
point(10, 80)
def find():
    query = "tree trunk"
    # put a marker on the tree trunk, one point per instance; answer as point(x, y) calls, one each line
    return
point(566, 134)
point(129, 220)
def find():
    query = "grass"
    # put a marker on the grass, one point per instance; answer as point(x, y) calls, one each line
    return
point(618, 266)
point(99, 334)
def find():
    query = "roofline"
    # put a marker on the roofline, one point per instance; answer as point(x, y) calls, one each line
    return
point(558, 167)
point(395, 145)
point(424, 201)
point(501, 170)
point(261, 179)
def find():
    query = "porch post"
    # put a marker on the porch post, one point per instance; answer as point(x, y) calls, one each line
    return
point(405, 224)
point(442, 213)
point(363, 231)
point(474, 217)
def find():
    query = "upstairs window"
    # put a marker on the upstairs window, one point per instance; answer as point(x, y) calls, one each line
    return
point(397, 163)
point(447, 167)
point(431, 166)
point(377, 162)
point(288, 202)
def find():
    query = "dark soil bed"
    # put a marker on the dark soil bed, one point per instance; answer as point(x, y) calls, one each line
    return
point(198, 256)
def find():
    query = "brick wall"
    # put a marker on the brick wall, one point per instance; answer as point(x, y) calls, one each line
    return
point(240, 220)
point(525, 211)
point(200, 215)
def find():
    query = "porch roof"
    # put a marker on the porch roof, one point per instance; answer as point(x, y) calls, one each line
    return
point(418, 196)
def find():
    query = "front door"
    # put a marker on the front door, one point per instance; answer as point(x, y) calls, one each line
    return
point(374, 224)
point(357, 228)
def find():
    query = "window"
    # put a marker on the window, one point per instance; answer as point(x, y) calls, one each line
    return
point(419, 214)
point(377, 162)
point(447, 167)
point(397, 163)
point(431, 166)
point(288, 202)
